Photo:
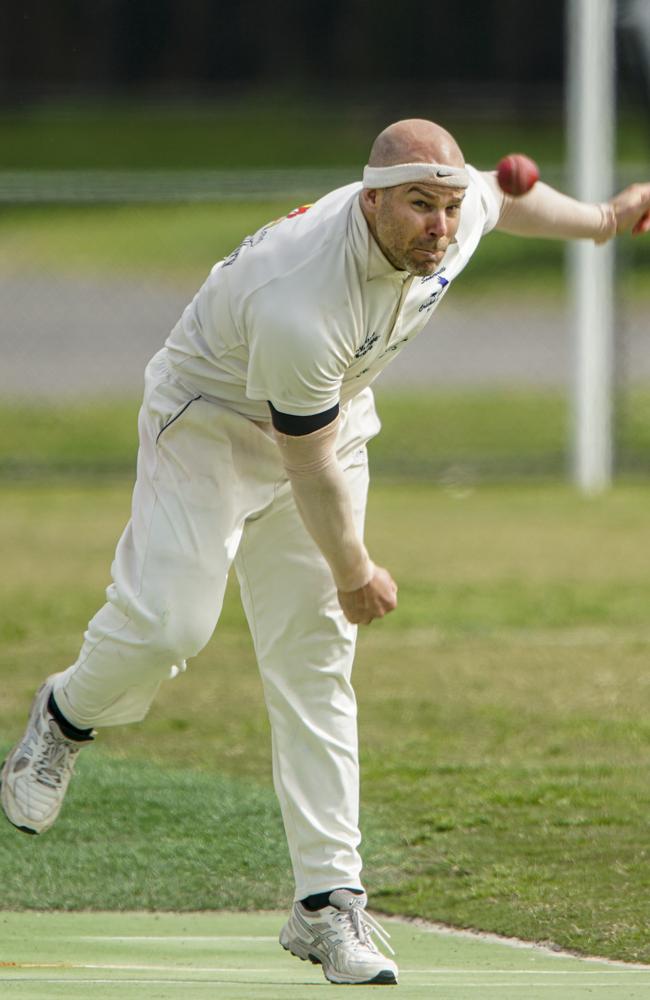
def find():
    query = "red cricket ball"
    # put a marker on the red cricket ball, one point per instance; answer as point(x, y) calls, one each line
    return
point(517, 174)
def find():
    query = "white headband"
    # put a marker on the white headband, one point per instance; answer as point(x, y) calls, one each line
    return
point(402, 173)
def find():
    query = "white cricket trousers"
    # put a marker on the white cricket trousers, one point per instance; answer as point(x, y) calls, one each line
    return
point(211, 490)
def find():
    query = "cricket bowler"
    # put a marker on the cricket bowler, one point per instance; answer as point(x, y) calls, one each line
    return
point(253, 432)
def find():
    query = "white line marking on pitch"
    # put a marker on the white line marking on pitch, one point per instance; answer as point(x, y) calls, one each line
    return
point(106, 967)
point(111, 967)
point(526, 972)
point(174, 937)
point(429, 926)
point(245, 985)
point(131, 982)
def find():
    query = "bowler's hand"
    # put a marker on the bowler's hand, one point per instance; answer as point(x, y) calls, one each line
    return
point(376, 599)
point(632, 209)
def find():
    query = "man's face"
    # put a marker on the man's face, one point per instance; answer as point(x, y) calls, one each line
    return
point(413, 223)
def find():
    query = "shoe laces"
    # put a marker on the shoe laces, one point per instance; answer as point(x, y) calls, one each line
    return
point(55, 759)
point(360, 926)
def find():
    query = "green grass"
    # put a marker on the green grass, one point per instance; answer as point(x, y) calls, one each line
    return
point(503, 711)
point(456, 438)
point(71, 439)
point(273, 131)
point(218, 844)
point(459, 436)
point(241, 134)
point(179, 243)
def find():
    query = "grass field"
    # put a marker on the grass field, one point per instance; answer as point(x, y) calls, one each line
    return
point(503, 710)
point(179, 243)
point(457, 438)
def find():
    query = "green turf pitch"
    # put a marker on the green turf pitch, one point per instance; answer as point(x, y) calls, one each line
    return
point(165, 956)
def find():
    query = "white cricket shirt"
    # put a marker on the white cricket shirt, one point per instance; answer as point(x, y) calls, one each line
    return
point(308, 311)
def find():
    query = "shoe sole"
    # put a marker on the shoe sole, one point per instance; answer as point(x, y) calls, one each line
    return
point(310, 958)
point(383, 978)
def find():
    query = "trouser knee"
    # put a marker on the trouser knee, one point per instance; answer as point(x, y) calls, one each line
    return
point(176, 636)
point(149, 638)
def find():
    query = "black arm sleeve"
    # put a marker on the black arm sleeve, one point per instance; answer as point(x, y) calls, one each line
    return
point(288, 423)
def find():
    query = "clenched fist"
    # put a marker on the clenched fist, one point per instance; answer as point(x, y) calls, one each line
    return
point(632, 209)
point(376, 599)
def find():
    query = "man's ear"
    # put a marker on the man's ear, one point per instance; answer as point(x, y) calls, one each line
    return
point(369, 199)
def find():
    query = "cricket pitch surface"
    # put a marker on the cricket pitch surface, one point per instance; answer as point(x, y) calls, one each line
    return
point(165, 956)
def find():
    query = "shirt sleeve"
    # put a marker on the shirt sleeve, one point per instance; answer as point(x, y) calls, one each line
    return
point(491, 198)
point(297, 355)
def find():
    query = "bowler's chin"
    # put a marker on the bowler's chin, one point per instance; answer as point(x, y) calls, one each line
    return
point(422, 265)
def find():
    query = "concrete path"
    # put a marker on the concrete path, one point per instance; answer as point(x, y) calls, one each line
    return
point(79, 337)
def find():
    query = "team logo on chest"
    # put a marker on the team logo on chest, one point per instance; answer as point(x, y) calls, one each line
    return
point(367, 345)
point(438, 289)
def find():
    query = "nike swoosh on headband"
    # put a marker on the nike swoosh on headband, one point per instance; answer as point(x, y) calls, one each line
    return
point(402, 173)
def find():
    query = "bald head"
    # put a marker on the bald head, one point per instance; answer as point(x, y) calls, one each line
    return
point(415, 140)
point(412, 193)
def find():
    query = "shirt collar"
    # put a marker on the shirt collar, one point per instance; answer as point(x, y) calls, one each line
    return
point(367, 251)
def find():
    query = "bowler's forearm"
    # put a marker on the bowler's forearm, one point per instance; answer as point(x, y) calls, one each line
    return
point(323, 500)
point(326, 508)
point(547, 213)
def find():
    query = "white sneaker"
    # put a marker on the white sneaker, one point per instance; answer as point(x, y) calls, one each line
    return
point(338, 937)
point(36, 774)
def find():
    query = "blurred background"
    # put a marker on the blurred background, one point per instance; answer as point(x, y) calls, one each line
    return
point(141, 140)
